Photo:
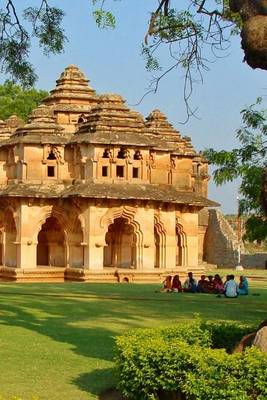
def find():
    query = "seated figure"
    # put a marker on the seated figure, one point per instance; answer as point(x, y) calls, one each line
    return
point(210, 285)
point(218, 284)
point(167, 284)
point(176, 284)
point(202, 284)
point(230, 287)
point(190, 284)
point(243, 286)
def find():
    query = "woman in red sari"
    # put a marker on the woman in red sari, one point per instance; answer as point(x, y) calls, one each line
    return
point(176, 284)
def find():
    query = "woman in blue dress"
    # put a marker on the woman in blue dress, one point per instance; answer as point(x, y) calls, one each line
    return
point(243, 285)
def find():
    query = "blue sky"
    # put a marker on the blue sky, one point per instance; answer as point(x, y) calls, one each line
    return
point(112, 61)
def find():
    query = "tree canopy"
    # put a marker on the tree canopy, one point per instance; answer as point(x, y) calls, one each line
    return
point(248, 162)
point(15, 100)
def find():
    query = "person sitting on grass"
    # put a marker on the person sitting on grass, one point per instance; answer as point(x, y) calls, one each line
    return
point(231, 287)
point(218, 284)
point(190, 284)
point(202, 284)
point(176, 284)
point(210, 285)
point(243, 286)
point(167, 284)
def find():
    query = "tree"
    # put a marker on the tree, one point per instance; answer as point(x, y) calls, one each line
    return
point(249, 162)
point(15, 100)
point(188, 28)
point(17, 30)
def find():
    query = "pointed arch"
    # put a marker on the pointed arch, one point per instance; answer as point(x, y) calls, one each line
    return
point(72, 227)
point(181, 245)
point(128, 214)
point(159, 243)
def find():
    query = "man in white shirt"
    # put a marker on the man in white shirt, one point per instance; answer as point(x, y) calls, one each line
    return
point(231, 287)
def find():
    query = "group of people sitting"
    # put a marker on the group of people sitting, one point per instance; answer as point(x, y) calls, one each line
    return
point(211, 284)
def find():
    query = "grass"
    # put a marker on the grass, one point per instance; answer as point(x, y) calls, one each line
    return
point(57, 340)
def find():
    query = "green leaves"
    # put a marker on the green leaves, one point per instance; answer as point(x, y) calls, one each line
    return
point(247, 162)
point(15, 100)
point(104, 19)
point(16, 31)
point(190, 359)
point(46, 23)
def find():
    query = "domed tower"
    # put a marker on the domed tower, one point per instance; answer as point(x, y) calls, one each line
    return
point(72, 98)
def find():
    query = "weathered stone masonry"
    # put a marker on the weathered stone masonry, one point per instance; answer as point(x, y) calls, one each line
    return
point(89, 185)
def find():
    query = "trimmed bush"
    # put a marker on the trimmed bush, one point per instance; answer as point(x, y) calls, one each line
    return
point(183, 361)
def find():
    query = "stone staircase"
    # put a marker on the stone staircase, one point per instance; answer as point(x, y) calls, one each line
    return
point(221, 245)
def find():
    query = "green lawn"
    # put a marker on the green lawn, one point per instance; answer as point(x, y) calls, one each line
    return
point(57, 340)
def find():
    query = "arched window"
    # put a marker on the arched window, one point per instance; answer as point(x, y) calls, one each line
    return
point(106, 153)
point(137, 155)
point(122, 153)
point(51, 156)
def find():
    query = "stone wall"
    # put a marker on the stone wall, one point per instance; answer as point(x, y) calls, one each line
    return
point(220, 244)
point(257, 260)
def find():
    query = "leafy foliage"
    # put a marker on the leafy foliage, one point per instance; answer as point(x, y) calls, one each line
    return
point(15, 100)
point(247, 162)
point(16, 32)
point(153, 363)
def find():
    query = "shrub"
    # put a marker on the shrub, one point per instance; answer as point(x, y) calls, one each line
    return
point(183, 360)
point(225, 335)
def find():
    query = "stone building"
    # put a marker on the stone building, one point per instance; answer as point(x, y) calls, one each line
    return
point(91, 190)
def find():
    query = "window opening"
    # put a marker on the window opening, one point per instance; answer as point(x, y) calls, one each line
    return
point(122, 153)
point(81, 119)
point(120, 171)
point(135, 172)
point(50, 171)
point(82, 172)
point(137, 155)
point(106, 153)
point(51, 156)
point(105, 171)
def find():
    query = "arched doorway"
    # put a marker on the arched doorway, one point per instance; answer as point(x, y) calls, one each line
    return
point(120, 249)
point(181, 246)
point(51, 244)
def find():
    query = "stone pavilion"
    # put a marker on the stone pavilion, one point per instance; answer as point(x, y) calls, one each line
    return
point(90, 190)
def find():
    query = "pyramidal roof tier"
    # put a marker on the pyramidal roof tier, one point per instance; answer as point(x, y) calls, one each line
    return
point(111, 121)
point(71, 88)
point(158, 126)
point(40, 128)
point(8, 126)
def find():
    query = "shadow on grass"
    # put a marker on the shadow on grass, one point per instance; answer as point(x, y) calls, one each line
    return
point(86, 318)
point(85, 382)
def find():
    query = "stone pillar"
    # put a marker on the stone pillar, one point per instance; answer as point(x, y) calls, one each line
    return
point(191, 231)
point(94, 251)
point(26, 244)
point(168, 221)
point(145, 253)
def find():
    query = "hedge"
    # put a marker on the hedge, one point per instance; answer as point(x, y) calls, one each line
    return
point(184, 361)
